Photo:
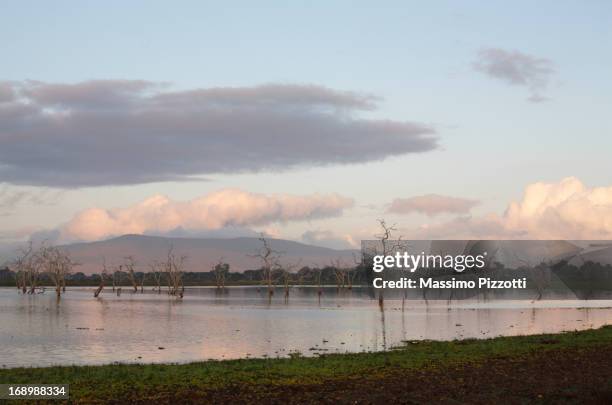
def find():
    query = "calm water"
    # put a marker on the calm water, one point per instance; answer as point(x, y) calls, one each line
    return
point(36, 331)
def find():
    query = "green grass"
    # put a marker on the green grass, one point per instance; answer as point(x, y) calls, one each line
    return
point(113, 381)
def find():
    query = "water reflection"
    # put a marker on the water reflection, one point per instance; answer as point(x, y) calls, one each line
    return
point(239, 322)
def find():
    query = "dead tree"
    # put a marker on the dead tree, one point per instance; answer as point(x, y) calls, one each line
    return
point(286, 276)
point(288, 270)
point(387, 247)
point(319, 286)
point(220, 270)
point(57, 264)
point(35, 267)
point(269, 261)
point(129, 264)
point(103, 275)
point(342, 273)
point(22, 266)
point(157, 270)
point(175, 267)
point(142, 281)
point(116, 276)
point(19, 279)
point(352, 271)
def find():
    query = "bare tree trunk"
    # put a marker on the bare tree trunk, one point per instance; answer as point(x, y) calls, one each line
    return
point(384, 238)
point(220, 269)
point(129, 266)
point(103, 275)
point(142, 281)
point(100, 287)
point(174, 268)
point(158, 281)
point(286, 277)
point(57, 264)
point(33, 285)
point(269, 259)
point(270, 282)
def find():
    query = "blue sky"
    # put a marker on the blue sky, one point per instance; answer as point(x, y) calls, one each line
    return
point(417, 57)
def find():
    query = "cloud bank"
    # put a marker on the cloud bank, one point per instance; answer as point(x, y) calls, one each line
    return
point(432, 205)
point(11, 197)
point(225, 208)
point(327, 238)
point(564, 210)
point(114, 132)
point(518, 69)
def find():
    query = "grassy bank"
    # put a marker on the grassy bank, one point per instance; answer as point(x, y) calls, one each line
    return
point(256, 379)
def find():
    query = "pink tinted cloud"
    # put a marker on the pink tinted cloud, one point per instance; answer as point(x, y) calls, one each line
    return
point(229, 207)
point(432, 205)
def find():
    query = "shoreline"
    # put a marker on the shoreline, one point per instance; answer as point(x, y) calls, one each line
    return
point(342, 378)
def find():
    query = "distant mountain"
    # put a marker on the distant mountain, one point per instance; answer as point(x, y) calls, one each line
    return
point(201, 252)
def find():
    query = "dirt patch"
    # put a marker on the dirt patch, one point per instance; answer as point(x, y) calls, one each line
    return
point(554, 376)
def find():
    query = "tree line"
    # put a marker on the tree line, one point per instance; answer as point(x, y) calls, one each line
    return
point(35, 269)
point(222, 276)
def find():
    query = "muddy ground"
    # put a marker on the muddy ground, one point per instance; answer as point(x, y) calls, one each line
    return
point(568, 375)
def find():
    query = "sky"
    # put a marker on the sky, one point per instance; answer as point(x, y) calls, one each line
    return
point(305, 120)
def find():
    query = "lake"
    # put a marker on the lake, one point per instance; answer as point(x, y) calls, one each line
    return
point(241, 322)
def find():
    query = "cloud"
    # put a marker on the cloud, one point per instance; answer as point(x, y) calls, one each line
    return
point(564, 210)
point(464, 227)
point(432, 205)
point(19, 234)
point(11, 197)
point(226, 232)
point(113, 132)
point(518, 69)
point(272, 232)
point(329, 239)
point(229, 207)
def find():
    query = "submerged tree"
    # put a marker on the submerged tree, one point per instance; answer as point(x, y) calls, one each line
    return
point(387, 247)
point(129, 264)
point(344, 274)
point(220, 270)
point(103, 276)
point(269, 262)
point(175, 267)
point(116, 278)
point(50, 260)
point(57, 264)
point(157, 271)
point(288, 276)
point(23, 266)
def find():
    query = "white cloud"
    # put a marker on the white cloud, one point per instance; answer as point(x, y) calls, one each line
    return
point(327, 238)
point(564, 210)
point(229, 207)
point(567, 209)
point(432, 205)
